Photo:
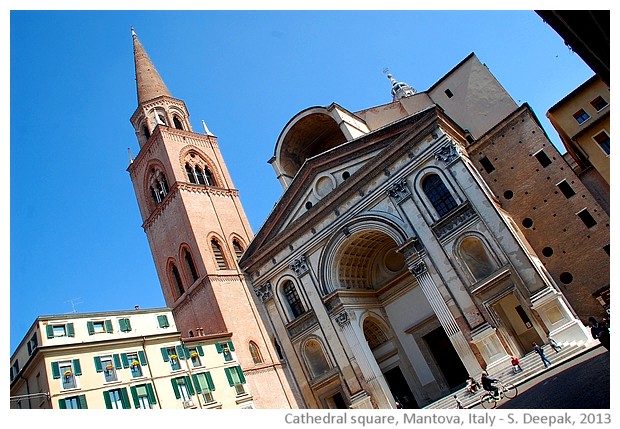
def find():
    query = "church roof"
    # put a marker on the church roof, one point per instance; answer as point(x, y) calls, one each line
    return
point(149, 84)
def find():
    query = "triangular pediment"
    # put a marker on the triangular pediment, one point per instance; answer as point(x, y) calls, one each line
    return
point(329, 178)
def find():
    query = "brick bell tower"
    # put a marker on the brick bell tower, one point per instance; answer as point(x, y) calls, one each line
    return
point(197, 229)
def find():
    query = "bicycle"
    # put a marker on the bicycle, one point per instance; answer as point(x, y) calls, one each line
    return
point(505, 390)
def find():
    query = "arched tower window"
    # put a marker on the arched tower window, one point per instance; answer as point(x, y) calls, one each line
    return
point(292, 299)
point(475, 256)
point(255, 352)
point(177, 283)
point(146, 132)
point(190, 173)
point(219, 255)
point(158, 186)
point(317, 363)
point(438, 194)
point(374, 334)
point(177, 122)
point(237, 248)
point(199, 175)
point(209, 177)
point(189, 262)
point(197, 170)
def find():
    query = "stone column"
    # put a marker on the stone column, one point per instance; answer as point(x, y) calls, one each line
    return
point(418, 267)
point(366, 363)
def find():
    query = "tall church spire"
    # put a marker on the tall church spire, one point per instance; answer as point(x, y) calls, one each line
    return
point(148, 82)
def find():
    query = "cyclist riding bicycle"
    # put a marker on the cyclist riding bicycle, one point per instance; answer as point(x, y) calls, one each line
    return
point(487, 383)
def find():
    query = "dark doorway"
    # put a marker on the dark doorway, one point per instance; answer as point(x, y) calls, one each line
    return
point(337, 401)
point(399, 388)
point(446, 357)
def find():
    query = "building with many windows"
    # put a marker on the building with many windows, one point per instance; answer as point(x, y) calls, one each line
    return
point(124, 360)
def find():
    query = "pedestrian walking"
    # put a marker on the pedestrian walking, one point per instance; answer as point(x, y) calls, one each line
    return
point(554, 345)
point(541, 353)
point(599, 332)
point(459, 404)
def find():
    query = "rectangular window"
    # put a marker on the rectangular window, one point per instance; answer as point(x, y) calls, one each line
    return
point(566, 189)
point(226, 349)
point(109, 370)
point(143, 396)
point(74, 402)
point(586, 218)
point(542, 158)
point(194, 354)
point(173, 355)
point(236, 378)
point(60, 330)
point(134, 360)
point(581, 116)
point(116, 399)
point(448, 93)
point(162, 320)
point(99, 327)
point(488, 166)
point(183, 390)
point(204, 386)
point(32, 344)
point(67, 375)
point(124, 325)
point(602, 139)
point(599, 103)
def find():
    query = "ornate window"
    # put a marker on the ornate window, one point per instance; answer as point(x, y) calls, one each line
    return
point(476, 258)
point(438, 194)
point(198, 171)
point(219, 255)
point(158, 186)
point(317, 363)
point(293, 301)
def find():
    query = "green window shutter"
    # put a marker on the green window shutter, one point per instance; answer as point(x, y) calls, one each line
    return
point(77, 368)
point(82, 402)
point(117, 361)
point(188, 383)
point(151, 394)
point(164, 354)
point(107, 400)
point(91, 328)
point(70, 330)
point(98, 366)
point(128, 325)
point(197, 383)
point(55, 370)
point(163, 321)
point(121, 325)
point(240, 373)
point(210, 382)
point(186, 351)
point(200, 351)
point(229, 376)
point(108, 326)
point(218, 347)
point(134, 396)
point(125, 360)
point(50, 334)
point(142, 357)
point(230, 346)
point(62, 404)
point(175, 387)
point(125, 399)
point(180, 352)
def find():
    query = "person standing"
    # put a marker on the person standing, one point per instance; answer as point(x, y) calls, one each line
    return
point(599, 332)
point(459, 404)
point(541, 353)
point(554, 345)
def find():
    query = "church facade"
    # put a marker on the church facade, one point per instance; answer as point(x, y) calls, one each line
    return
point(389, 270)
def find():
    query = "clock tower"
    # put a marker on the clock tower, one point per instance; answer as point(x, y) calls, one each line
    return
point(197, 229)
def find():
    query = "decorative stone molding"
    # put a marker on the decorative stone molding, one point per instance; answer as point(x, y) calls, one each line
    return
point(301, 324)
point(399, 191)
point(342, 318)
point(412, 247)
point(300, 266)
point(264, 292)
point(419, 268)
point(447, 154)
point(453, 222)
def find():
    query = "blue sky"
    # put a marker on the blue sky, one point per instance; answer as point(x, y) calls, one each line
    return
point(76, 241)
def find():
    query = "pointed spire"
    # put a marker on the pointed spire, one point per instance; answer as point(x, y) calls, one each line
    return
point(399, 89)
point(148, 82)
point(207, 132)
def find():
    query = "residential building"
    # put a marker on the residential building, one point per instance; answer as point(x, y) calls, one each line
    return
point(124, 360)
point(389, 268)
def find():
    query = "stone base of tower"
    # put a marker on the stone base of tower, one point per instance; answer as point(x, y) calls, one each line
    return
point(269, 388)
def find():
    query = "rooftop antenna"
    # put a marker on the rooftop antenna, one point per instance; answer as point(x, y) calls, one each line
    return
point(74, 302)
